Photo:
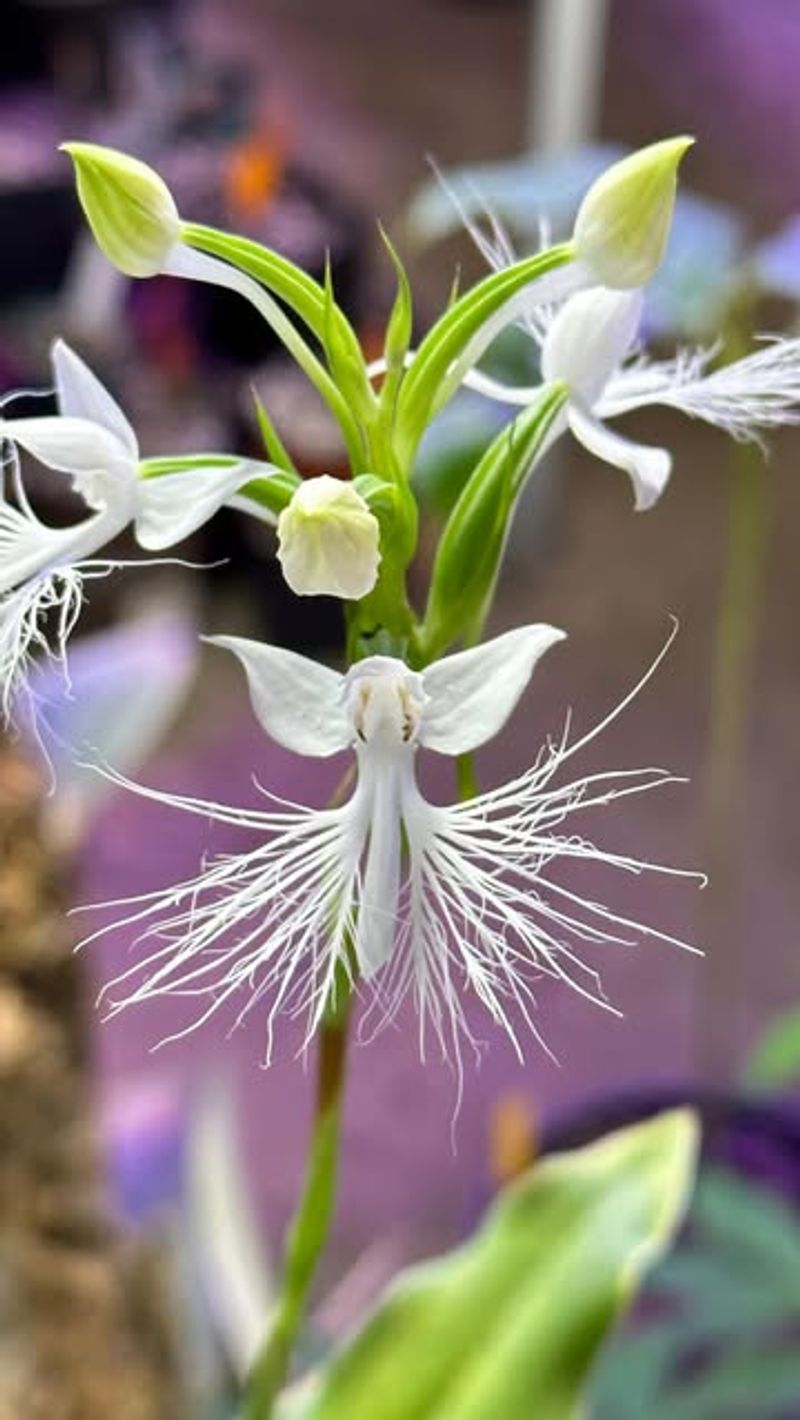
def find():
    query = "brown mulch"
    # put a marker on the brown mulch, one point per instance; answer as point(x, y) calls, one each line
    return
point(84, 1331)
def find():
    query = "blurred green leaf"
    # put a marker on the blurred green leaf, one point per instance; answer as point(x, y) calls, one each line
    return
point(515, 1318)
point(776, 1059)
point(753, 1385)
point(722, 1344)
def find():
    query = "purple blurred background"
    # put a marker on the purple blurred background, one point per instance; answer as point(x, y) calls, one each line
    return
point(346, 101)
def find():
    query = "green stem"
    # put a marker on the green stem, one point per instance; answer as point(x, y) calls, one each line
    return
point(466, 778)
point(721, 985)
point(311, 1223)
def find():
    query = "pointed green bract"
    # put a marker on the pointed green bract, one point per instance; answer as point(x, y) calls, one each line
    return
point(305, 296)
point(272, 491)
point(399, 330)
point(272, 441)
point(471, 547)
point(511, 1323)
point(346, 363)
point(458, 331)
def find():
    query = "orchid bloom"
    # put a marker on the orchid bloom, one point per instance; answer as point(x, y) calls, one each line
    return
point(43, 569)
point(406, 896)
point(591, 343)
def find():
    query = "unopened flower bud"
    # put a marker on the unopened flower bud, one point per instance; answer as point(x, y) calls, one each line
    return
point(623, 223)
point(329, 541)
point(129, 208)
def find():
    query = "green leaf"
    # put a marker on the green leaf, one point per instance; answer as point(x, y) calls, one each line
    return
point(300, 291)
point(461, 335)
point(775, 1061)
point(184, 463)
point(510, 1324)
point(346, 361)
point(755, 1384)
point(723, 1304)
point(272, 490)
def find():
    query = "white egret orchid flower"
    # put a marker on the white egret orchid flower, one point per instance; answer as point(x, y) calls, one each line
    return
point(408, 897)
point(43, 569)
point(591, 343)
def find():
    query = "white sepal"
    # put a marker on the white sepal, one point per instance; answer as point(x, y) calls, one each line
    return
point(648, 467)
point(81, 396)
point(299, 702)
point(69, 445)
point(28, 546)
point(470, 695)
point(173, 505)
point(588, 338)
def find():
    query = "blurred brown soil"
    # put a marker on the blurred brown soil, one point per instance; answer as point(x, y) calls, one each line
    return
point(83, 1314)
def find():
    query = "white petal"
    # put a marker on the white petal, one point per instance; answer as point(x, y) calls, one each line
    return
point(28, 546)
point(298, 701)
point(588, 339)
point(649, 468)
point(67, 445)
point(173, 505)
point(82, 396)
point(472, 694)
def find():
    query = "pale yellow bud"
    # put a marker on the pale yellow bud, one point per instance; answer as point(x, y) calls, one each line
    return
point(129, 208)
point(623, 224)
point(329, 541)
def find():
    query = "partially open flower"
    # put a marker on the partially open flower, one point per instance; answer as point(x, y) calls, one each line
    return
point(129, 208)
point(329, 541)
point(623, 222)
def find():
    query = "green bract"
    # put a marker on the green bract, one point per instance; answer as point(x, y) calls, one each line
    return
point(459, 338)
point(273, 493)
point(471, 547)
point(511, 1323)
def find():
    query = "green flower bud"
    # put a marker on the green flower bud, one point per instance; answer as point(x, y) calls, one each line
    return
point(623, 222)
point(129, 208)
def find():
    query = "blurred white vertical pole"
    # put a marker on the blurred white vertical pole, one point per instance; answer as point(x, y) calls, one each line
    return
point(567, 65)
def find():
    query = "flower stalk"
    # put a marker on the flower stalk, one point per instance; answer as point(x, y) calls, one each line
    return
point(311, 1223)
point(735, 644)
